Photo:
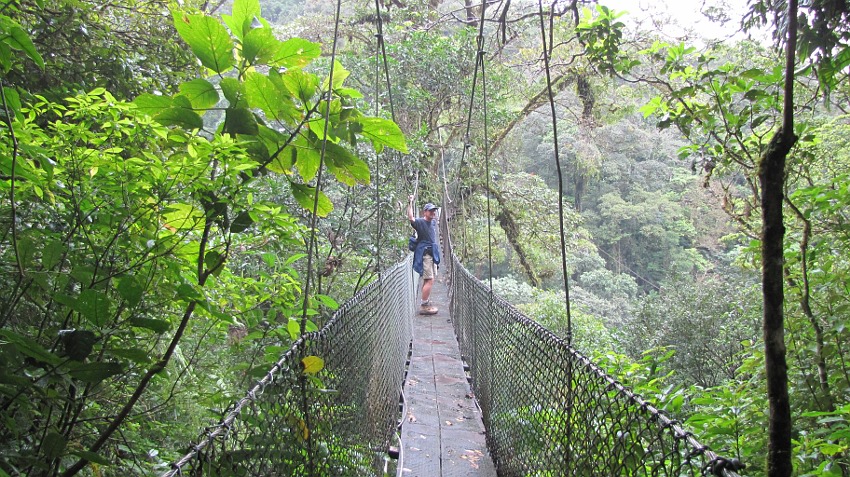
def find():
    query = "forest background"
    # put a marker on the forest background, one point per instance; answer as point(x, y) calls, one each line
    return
point(153, 265)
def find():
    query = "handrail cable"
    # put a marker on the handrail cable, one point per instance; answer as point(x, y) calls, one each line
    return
point(328, 95)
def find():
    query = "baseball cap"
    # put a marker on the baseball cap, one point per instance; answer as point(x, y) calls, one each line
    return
point(430, 206)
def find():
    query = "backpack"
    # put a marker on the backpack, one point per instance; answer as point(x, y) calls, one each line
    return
point(411, 243)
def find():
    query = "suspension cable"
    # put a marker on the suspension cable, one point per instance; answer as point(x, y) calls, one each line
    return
point(382, 52)
point(480, 59)
point(560, 176)
point(569, 406)
point(328, 97)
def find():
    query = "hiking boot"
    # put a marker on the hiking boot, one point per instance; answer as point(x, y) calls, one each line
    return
point(427, 310)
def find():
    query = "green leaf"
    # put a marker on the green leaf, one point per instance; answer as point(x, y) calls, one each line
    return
point(130, 289)
point(157, 326)
point(306, 158)
point(261, 93)
point(182, 217)
point(347, 168)
point(384, 132)
point(200, 93)
point(327, 301)
point(306, 195)
point(208, 40)
point(296, 53)
point(300, 84)
point(95, 306)
point(340, 75)
point(260, 46)
point(180, 114)
point(6, 63)
point(152, 104)
point(19, 40)
point(212, 260)
point(94, 372)
point(135, 355)
point(53, 445)
point(232, 90)
point(243, 13)
point(29, 347)
point(92, 457)
point(241, 222)
point(13, 102)
point(52, 254)
point(240, 121)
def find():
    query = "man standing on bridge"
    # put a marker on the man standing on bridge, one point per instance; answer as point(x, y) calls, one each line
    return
point(426, 255)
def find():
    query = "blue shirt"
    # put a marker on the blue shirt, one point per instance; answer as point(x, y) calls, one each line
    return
point(426, 233)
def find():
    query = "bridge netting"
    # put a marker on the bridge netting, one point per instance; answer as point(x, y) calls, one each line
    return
point(339, 421)
point(548, 410)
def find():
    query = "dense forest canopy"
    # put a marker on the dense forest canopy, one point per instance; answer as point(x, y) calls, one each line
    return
point(182, 198)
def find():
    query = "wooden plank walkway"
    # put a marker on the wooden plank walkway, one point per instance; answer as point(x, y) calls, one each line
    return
point(442, 433)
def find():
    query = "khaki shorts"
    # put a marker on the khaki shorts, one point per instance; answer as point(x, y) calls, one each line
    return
point(429, 270)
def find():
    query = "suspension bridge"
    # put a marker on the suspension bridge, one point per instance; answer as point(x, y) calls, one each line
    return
point(477, 390)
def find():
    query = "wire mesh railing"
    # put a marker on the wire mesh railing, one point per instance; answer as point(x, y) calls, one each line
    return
point(340, 421)
point(549, 410)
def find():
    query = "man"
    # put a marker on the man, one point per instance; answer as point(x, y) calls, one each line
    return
point(426, 255)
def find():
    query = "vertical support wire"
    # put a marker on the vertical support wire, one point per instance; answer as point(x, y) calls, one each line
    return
point(569, 406)
point(328, 97)
point(382, 52)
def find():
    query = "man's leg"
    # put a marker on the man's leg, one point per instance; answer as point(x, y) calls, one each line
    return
point(427, 282)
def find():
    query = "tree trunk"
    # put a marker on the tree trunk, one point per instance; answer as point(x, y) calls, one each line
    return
point(771, 174)
point(508, 223)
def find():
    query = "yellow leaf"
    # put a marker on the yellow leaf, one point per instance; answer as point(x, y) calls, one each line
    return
point(312, 364)
point(93, 171)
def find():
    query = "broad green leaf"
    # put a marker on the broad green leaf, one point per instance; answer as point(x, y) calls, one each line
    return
point(212, 259)
point(296, 53)
point(92, 457)
point(29, 347)
point(348, 92)
point(240, 121)
point(327, 301)
point(130, 289)
point(312, 364)
point(52, 254)
point(135, 355)
point(260, 46)
point(384, 132)
point(208, 40)
point(19, 40)
point(53, 445)
point(95, 306)
point(152, 104)
point(346, 167)
point(13, 102)
point(157, 326)
point(241, 222)
point(232, 90)
point(306, 157)
point(180, 114)
point(5, 62)
point(94, 372)
point(301, 84)
point(261, 93)
point(243, 13)
point(294, 328)
point(182, 217)
point(200, 93)
point(306, 196)
point(340, 75)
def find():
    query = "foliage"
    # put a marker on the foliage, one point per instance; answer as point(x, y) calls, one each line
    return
point(88, 44)
point(134, 237)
